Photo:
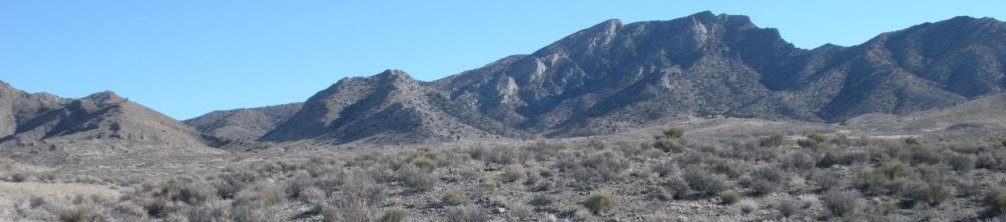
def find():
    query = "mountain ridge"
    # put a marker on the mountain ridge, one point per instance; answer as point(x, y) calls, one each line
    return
point(606, 78)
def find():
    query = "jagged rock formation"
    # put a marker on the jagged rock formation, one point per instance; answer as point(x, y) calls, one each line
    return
point(243, 124)
point(97, 124)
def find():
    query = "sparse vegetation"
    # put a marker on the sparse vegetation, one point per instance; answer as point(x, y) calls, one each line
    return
point(762, 179)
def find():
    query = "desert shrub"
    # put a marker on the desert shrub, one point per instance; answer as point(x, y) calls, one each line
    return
point(841, 203)
point(499, 155)
point(363, 190)
point(210, 212)
point(532, 177)
point(912, 141)
point(467, 214)
point(519, 212)
point(775, 140)
point(705, 181)
point(660, 218)
point(36, 202)
point(596, 144)
point(930, 193)
point(541, 200)
point(600, 202)
point(789, 208)
point(82, 213)
point(451, 198)
point(748, 206)
point(961, 162)
point(395, 215)
point(262, 194)
point(827, 180)
point(760, 187)
point(347, 211)
point(511, 173)
point(730, 196)
point(829, 159)
point(678, 186)
point(311, 194)
point(668, 145)
point(923, 155)
point(771, 174)
point(995, 199)
point(195, 193)
point(17, 177)
point(607, 166)
point(425, 163)
point(806, 143)
point(664, 168)
point(728, 167)
point(674, 133)
point(490, 182)
point(416, 178)
point(798, 161)
point(817, 137)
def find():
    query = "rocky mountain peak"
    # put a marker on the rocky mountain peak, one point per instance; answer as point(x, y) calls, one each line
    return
point(105, 97)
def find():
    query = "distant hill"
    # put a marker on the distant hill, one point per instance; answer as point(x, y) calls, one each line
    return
point(243, 124)
point(102, 123)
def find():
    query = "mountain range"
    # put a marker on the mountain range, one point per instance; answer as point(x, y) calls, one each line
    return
point(608, 78)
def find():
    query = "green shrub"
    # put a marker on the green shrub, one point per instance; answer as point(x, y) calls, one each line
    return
point(600, 202)
point(730, 196)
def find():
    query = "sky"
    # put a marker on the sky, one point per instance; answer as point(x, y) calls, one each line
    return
point(186, 58)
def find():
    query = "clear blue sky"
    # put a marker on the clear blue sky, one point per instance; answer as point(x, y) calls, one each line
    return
point(186, 58)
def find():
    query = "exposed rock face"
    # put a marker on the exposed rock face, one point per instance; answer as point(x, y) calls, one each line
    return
point(243, 124)
point(615, 76)
point(94, 125)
